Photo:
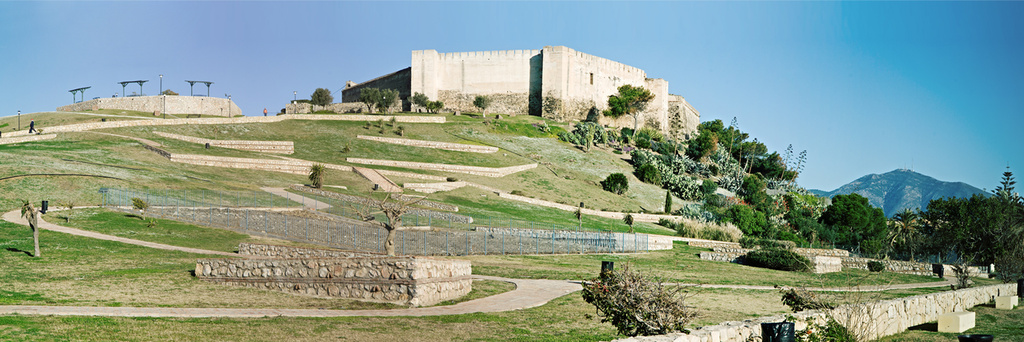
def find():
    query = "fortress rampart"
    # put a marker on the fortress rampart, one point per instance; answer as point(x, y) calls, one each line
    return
point(554, 82)
point(160, 104)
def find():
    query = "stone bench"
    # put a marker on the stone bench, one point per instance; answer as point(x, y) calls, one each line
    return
point(956, 322)
point(1006, 302)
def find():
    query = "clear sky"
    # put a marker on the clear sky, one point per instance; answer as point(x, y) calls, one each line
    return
point(863, 87)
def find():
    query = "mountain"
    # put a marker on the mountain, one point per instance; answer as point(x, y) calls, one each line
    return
point(898, 189)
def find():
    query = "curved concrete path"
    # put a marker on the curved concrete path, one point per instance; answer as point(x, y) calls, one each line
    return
point(15, 217)
point(528, 294)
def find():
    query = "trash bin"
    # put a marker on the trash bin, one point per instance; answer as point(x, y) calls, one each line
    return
point(207, 146)
point(974, 338)
point(46, 205)
point(607, 266)
point(778, 332)
point(938, 269)
point(1020, 288)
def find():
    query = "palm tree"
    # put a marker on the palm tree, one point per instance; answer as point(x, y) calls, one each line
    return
point(904, 230)
point(316, 175)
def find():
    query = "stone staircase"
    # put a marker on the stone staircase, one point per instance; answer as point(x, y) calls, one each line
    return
point(376, 178)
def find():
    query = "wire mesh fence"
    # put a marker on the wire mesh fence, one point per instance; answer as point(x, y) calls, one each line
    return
point(361, 236)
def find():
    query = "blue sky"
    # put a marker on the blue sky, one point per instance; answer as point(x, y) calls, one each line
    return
point(864, 87)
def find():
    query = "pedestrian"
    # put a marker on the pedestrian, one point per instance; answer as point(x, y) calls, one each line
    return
point(264, 111)
point(32, 126)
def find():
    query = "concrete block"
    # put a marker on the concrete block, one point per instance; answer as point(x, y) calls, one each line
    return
point(956, 322)
point(1006, 302)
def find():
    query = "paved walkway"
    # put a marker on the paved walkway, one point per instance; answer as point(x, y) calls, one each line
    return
point(306, 201)
point(378, 179)
point(15, 217)
point(528, 293)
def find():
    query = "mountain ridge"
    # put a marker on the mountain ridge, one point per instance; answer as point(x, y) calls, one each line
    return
point(901, 189)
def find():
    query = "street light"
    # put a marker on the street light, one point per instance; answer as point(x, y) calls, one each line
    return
point(19, 120)
point(161, 84)
point(295, 95)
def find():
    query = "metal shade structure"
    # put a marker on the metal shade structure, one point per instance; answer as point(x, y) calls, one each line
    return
point(74, 97)
point(125, 83)
point(192, 83)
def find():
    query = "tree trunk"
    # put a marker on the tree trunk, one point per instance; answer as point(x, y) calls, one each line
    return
point(33, 222)
point(35, 237)
point(389, 242)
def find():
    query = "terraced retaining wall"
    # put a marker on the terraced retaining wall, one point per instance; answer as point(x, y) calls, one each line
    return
point(88, 126)
point(283, 147)
point(26, 138)
point(432, 144)
point(473, 170)
point(871, 320)
point(402, 280)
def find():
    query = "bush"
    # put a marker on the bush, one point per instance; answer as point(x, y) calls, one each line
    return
point(876, 266)
point(778, 259)
point(616, 183)
point(636, 305)
point(648, 173)
point(708, 188)
point(321, 97)
point(139, 204)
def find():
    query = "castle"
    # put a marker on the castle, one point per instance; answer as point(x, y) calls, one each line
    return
point(555, 82)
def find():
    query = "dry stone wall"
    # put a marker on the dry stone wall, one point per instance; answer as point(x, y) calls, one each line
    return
point(160, 104)
point(473, 170)
point(283, 147)
point(432, 144)
point(288, 252)
point(869, 320)
point(501, 103)
point(403, 280)
point(340, 108)
point(434, 187)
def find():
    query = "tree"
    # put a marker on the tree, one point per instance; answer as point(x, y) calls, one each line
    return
point(420, 99)
point(387, 99)
point(616, 183)
point(903, 231)
point(28, 211)
point(482, 102)
point(851, 222)
point(636, 305)
point(668, 202)
point(1005, 188)
point(169, 92)
point(316, 175)
point(629, 101)
point(321, 97)
point(434, 106)
point(369, 97)
point(393, 211)
point(628, 220)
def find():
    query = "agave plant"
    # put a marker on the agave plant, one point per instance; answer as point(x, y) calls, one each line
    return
point(316, 175)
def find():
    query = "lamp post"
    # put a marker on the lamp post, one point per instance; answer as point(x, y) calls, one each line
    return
point(229, 105)
point(295, 96)
point(161, 84)
point(19, 120)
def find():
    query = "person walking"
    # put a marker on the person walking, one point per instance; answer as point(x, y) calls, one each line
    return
point(32, 126)
point(264, 111)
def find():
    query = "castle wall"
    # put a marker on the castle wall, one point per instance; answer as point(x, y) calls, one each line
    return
point(509, 77)
point(172, 104)
point(582, 81)
point(399, 80)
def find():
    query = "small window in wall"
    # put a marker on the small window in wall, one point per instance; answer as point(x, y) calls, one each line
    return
point(591, 78)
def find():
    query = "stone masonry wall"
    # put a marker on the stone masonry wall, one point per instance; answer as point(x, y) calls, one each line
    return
point(283, 147)
point(152, 104)
point(432, 144)
point(275, 251)
point(473, 170)
point(501, 103)
point(399, 80)
point(415, 281)
point(341, 108)
point(227, 121)
point(869, 320)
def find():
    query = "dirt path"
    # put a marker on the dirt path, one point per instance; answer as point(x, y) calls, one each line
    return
point(15, 217)
point(306, 201)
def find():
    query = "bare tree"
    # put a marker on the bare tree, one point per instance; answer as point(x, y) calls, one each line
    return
point(393, 211)
point(28, 211)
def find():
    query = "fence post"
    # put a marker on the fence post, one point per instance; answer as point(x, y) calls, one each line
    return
point(403, 242)
point(446, 251)
point(503, 244)
point(520, 242)
point(307, 228)
point(485, 243)
point(424, 243)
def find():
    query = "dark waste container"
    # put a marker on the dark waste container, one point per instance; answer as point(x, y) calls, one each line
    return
point(1020, 288)
point(974, 338)
point(207, 145)
point(607, 266)
point(46, 206)
point(778, 332)
point(938, 269)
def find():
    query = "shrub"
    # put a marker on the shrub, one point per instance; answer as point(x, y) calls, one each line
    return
point(325, 111)
point(139, 204)
point(616, 183)
point(649, 174)
point(708, 187)
point(876, 266)
point(321, 97)
point(778, 259)
point(316, 175)
point(636, 305)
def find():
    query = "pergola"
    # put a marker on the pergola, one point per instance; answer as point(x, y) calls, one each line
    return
point(192, 83)
point(74, 98)
point(125, 83)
